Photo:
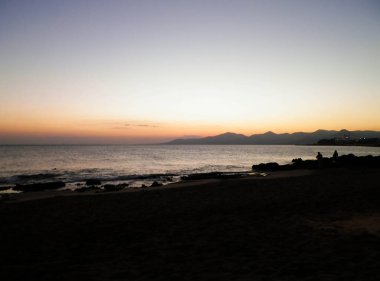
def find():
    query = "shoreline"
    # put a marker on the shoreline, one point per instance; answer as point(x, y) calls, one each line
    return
point(40, 188)
point(313, 225)
point(46, 194)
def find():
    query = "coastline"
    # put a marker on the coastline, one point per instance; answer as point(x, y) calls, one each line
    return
point(98, 183)
point(317, 225)
point(46, 194)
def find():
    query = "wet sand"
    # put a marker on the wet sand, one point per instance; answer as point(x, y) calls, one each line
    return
point(288, 226)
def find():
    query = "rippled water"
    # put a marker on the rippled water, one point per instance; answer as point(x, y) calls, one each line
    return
point(112, 162)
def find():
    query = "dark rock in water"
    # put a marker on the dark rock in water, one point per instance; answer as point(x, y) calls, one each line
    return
point(304, 164)
point(230, 176)
point(155, 183)
point(212, 175)
point(272, 166)
point(297, 164)
point(344, 161)
point(352, 161)
point(2, 188)
point(5, 197)
point(87, 188)
point(114, 187)
point(201, 176)
point(143, 186)
point(39, 186)
point(37, 176)
point(93, 182)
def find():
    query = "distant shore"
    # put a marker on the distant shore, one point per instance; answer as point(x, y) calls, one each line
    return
point(291, 225)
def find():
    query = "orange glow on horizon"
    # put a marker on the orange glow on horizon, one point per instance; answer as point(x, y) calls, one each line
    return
point(143, 131)
point(28, 123)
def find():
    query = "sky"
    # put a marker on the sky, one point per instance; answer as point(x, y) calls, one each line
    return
point(148, 71)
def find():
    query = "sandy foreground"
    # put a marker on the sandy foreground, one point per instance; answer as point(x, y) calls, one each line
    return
point(294, 225)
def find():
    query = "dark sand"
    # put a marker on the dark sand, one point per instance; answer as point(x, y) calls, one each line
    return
point(320, 226)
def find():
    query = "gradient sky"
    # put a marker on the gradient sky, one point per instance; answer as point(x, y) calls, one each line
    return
point(142, 71)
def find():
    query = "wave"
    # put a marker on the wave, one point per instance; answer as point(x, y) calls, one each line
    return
point(37, 176)
point(77, 178)
point(22, 178)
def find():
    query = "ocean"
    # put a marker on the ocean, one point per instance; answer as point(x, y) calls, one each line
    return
point(143, 164)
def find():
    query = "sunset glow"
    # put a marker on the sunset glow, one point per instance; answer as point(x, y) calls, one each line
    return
point(151, 71)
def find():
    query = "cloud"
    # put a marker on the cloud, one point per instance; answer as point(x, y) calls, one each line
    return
point(136, 124)
point(147, 125)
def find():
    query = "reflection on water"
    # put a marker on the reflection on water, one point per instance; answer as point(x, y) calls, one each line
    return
point(78, 162)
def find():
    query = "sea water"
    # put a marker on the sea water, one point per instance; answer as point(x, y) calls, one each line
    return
point(136, 164)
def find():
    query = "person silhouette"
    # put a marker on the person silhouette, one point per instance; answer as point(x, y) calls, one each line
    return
point(320, 160)
point(335, 155)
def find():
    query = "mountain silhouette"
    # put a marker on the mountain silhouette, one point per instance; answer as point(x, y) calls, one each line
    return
point(273, 138)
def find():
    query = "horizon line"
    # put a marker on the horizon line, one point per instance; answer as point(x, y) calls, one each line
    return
point(166, 141)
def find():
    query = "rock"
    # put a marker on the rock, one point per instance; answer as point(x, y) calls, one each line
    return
point(114, 187)
point(2, 188)
point(307, 164)
point(272, 166)
point(344, 161)
point(201, 176)
point(37, 176)
point(155, 183)
point(93, 182)
point(82, 189)
point(4, 197)
point(39, 186)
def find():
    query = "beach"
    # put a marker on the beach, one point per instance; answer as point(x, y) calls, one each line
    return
point(189, 140)
point(293, 225)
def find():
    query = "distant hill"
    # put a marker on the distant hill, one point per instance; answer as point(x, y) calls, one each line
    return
point(273, 138)
point(226, 138)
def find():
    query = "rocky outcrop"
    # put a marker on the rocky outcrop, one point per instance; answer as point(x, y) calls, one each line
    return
point(114, 187)
point(93, 182)
point(39, 186)
point(344, 161)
